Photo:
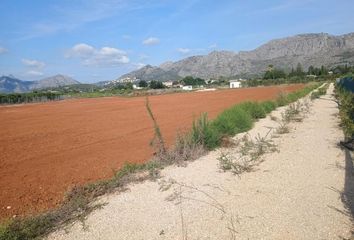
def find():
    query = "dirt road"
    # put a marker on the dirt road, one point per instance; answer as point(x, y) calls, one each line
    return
point(293, 194)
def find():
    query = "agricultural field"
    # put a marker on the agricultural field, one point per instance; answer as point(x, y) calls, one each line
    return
point(48, 148)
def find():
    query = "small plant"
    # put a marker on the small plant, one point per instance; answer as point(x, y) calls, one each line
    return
point(248, 154)
point(282, 99)
point(225, 162)
point(283, 128)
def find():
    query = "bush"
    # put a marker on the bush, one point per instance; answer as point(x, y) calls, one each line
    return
point(346, 111)
point(203, 133)
point(268, 106)
point(254, 109)
point(233, 121)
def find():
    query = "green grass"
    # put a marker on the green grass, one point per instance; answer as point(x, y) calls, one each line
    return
point(232, 121)
point(268, 106)
point(240, 118)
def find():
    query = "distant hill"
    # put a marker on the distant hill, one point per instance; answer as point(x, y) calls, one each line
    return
point(54, 81)
point(309, 49)
point(10, 84)
point(149, 72)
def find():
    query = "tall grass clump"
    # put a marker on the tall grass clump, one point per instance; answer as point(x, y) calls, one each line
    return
point(204, 133)
point(281, 99)
point(268, 106)
point(255, 109)
point(233, 121)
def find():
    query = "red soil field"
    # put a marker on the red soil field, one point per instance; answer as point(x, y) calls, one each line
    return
point(47, 148)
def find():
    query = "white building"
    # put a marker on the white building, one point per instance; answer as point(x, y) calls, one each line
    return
point(187, 88)
point(168, 84)
point(136, 87)
point(235, 83)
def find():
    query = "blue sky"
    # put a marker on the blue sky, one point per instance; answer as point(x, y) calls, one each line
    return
point(96, 40)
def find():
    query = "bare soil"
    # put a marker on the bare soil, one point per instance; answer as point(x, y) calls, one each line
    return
point(47, 148)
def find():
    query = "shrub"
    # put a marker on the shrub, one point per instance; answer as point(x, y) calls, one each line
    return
point(203, 133)
point(268, 106)
point(233, 121)
point(281, 99)
point(254, 109)
point(346, 111)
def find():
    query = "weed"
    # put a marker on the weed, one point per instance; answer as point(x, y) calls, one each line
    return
point(281, 99)
point(248, 154)
point(157, 141)
point(283, 128)
point(204, 134)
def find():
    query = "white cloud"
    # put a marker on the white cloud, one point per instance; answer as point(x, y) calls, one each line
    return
point(104, 57)
point(33, 63)
point(151, 41)
point(3, 50)
point(34, 73)
point(82, 50)
point(184, 50)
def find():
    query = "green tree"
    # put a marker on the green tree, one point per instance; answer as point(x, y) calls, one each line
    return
point(156, 85)
point(143, 84)
point(193, 81)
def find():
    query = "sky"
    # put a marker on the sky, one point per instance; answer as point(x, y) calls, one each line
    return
point(98, 40)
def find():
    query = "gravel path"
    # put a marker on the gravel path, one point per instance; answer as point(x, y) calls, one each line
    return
point(293, 194)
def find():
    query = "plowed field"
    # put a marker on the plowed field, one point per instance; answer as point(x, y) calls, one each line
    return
point(46, 149)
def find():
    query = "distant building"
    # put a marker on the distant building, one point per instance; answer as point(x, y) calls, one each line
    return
point(187, 88)
point(235, 83)
point(168, 84)
point(136, 87)
point(127, 80)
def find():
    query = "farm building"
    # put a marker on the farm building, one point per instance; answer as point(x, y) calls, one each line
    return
point(187, 88)
point(168, 84)
point(235, 83)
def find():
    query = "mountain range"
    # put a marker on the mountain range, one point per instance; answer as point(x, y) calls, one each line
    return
point(10, 84)
point(315, 49)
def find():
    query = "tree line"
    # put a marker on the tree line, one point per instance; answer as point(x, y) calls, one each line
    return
point(14, 98)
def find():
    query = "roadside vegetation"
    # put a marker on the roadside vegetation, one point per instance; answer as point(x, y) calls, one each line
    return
point(344, 93)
